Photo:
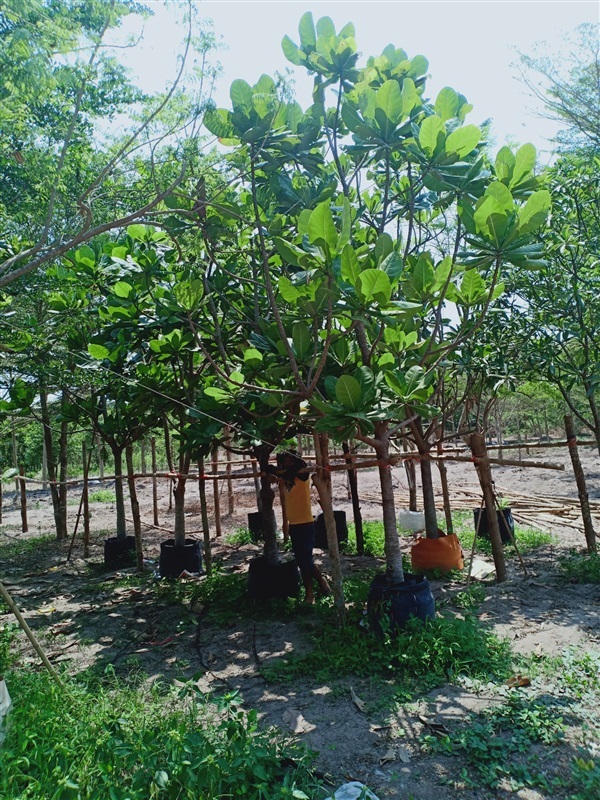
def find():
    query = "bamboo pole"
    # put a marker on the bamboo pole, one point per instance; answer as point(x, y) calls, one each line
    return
point(154, 481)
point(24, 523)
point(29, 633)
point(484, 472)
point(216, 496)
point(230, 492)
point(204, 517)
point(81, 503)
point(86, 501)
point(135, 509)
point(353, 483)
point(588, 527)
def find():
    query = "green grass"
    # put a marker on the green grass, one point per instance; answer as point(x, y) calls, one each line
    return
point(16, 547)
point(581, 568)
point(525, 741)
point(102, 496)
point(108, 740)
point(239, 537)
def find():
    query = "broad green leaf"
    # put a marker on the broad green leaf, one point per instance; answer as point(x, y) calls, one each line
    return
point(235, 378)
point(414, 380)
point(446, 104)
point(241, 95)
point(395, 382)
point(463, 140)
point(535, 212)
point(472, 287)
point(119, 252)
point(288, 291)
point(348, 393)
point(189, 294)
point(432, 134)
point(86, 256)
point(306, 29)
point(218, 122)
point(321, 228)
point(389, 100)
point(302, 339)
point(410, 97)
point(505, 164)
point(292, 52)
point(386, 361)
point(442, 273)
point(252, 357)
point(346, 223)
point(502, 194)
point(350, 266)
point(330, 383)
point(98, 351)
point(524, 164)
point(366, 380)
point(137, 231)
point(423, 276)
point(218, 394)
point(122, 289)
point(290, 253)
point(325, 27)
point(383, 246)
point(392, 265)
point(374, 285)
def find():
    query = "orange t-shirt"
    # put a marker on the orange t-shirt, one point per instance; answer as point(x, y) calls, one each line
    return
point(297, 503)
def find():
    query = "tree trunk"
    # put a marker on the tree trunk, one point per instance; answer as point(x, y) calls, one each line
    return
point(63, 443)
point(393, 554)
point(588, 527)
point(267, 496)
point(204, 514)
point(215, 485)
point(154, 481)
point(411, 478)
point(484, 472)
point(85, 499)
point(179, 499)
point(431, 526)
point(44, 464)
point(444, 481)
point(353, 483)
point(323, 484)
point(135, 509)
point(47, 429)
point(256, 474)
point(119, 496)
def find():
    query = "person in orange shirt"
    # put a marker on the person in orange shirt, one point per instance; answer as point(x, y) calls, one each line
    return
point(293, 473)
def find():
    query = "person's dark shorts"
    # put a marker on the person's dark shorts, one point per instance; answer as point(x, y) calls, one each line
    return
point(303, 541)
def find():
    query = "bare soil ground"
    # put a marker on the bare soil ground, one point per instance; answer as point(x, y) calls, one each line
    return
point(83, 622)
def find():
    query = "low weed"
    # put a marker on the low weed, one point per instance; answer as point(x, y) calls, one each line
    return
point(239, 537)
point(496, 745)
point(16, 547)
point(109, 740)
point(424, 655)
point(581, 568)
point(102, 496)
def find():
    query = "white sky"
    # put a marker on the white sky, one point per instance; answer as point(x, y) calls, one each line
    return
point(469, 44)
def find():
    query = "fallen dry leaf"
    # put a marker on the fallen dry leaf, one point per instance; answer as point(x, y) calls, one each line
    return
point(295, 722)
point(360, 704)
point(389, 756)
point(518, 680)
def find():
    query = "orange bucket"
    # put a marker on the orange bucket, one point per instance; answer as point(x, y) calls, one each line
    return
point(444, 553)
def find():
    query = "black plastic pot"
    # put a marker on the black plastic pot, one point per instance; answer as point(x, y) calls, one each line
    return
point(119, 551)
point(256, 525)
point(390, 606)
point(175, 559)
point(504, 516)
point(341, 527)
point(267, 581)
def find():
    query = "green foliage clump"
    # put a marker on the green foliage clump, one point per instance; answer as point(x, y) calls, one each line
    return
point(122, 743)
point(7, 635)
point(102, 496)
point(582, 568)
point(426, 654)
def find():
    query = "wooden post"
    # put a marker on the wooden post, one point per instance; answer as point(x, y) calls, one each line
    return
point(24, 525)
point(215, 483)
point(135, 508)
point(285, 525)
point(15, 454)
point(204, 514)
point(230, 494)
point(100, 458)
point(322, 481)
point(255, 473)
point(86, 501)
point(411, 479)
point(1, 491)
point(44, 465)
point(484, 472)
point(444, 481)
point(143, 456)
point(588, 527)
point(154, 481)
point(353, 484)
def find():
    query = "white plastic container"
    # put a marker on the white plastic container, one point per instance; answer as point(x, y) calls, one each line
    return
point(411, 520)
